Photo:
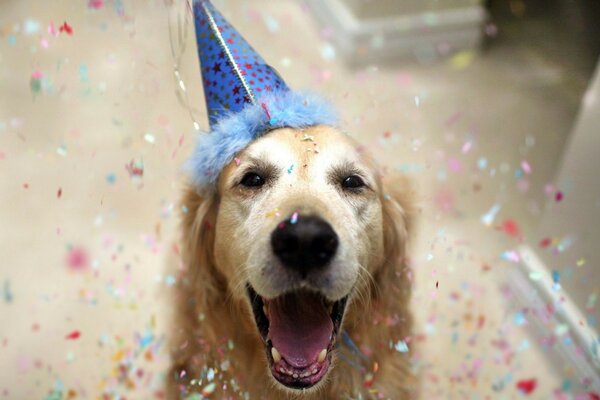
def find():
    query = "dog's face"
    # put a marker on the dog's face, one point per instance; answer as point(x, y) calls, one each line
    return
point(298, 233)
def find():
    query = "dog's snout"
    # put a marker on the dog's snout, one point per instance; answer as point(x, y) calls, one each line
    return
point(304, 244)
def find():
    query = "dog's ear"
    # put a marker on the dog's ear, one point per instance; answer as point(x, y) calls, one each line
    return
point(399, 212)
point(198, 230)
point(199, 285)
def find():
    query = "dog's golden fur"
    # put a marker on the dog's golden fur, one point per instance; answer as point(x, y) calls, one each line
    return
point(214, 328)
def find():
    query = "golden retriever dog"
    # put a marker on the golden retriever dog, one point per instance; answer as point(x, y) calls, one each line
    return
point(293, 281)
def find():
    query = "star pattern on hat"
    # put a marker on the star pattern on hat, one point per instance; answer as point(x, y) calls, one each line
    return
point(233, 73)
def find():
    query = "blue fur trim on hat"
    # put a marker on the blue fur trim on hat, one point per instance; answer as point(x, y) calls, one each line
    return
point(232, 134)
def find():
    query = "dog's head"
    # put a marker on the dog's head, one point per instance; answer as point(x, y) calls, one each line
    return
point(302, 228)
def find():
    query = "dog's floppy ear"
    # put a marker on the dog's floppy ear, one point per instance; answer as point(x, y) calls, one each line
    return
point(393, 277)
point(198, 230)
point(199, 286)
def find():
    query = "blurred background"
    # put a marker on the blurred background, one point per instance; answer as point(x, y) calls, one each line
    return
point(492, 108)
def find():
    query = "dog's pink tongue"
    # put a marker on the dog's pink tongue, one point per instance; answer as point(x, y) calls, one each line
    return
point(299, 327)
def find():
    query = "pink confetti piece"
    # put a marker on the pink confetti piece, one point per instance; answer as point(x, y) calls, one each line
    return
point(77, 259)
point(96, 4)
point(453, 119)
point(558, 196)
point(525, 167)
point(467, 147)
point(454, 164)
point(52, 29)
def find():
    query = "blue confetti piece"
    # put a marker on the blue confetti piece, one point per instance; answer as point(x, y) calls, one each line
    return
point(519, 319)
point(8, 296)
point(170, 280)
point(83, 73)
point(555, 277)
point(401, 347)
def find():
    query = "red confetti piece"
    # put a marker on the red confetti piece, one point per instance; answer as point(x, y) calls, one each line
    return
point(135, 169)
point(66, 28)
point(511, 228)
point(73, 335)
point(527, 386)
point(26, 185)
point(59, 193)
point(545, 242)
point(594, 396)
point(266, 110)
point(558, 196)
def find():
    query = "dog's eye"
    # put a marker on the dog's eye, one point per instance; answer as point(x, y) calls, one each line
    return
point(252, 179)
point(353, 182)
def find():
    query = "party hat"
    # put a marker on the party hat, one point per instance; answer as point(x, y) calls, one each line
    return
point(245, 97)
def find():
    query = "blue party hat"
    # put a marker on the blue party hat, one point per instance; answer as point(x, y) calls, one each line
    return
point(233, 73)
point(245, 97)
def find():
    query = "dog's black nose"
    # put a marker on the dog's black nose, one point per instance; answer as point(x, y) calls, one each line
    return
point(304, 243)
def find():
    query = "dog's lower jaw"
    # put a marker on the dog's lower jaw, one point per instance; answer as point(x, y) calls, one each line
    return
point(224, 338)
point(242, 367)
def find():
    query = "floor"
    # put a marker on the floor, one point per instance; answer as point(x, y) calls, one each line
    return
point(88, 101)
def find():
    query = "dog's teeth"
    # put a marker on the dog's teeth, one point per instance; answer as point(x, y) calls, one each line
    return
point(275, 354)
point(295, 376)
point(314, 371)
point(282, 370)
point(322, 355)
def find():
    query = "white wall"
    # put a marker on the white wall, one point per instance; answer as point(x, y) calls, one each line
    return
point(577, 216)
point(386, 8)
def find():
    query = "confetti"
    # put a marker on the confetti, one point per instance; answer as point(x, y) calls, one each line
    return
point(7, 292)
point(511, 228)
point(73, 335)
point(95, 4)
point(77, 259)
point(35, 82)
point(401, 346)
point(527, 386)
point(66, 28)
point(488, 218)
point(135, 169)
point(558, 196)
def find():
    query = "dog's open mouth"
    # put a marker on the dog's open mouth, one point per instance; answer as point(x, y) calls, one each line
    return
point(299, 330)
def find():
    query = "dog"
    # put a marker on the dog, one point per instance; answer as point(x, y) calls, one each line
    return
point(294, 280)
